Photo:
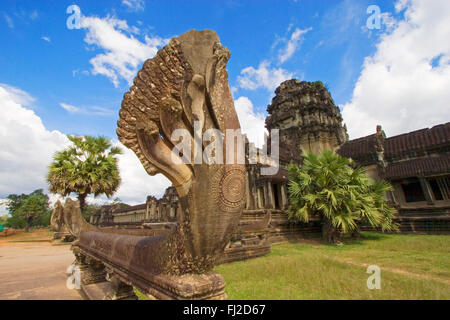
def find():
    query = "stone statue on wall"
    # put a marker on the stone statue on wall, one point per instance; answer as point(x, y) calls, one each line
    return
point(185, 82)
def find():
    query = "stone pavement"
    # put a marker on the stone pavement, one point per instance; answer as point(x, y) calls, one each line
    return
point(35, 271)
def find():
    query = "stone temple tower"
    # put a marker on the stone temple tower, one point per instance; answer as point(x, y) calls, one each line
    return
point(307, 118)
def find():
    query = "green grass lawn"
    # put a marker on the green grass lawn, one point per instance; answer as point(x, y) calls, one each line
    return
point(412, 267)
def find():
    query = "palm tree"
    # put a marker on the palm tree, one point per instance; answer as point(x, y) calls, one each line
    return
point(88, 166)
point(329, 187)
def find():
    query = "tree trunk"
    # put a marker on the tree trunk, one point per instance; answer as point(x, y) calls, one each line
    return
point(329, 233)
point(28, 225)
point(356, 234)
point(82, 200)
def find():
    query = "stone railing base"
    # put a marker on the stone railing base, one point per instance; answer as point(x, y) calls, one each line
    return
point(208, 286)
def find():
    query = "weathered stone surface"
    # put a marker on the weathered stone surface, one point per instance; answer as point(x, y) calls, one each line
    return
point(251, 239)
point(185, 82)
point(307, 118)
point(57, 224)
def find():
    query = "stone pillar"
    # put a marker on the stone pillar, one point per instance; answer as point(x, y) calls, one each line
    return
point(118, 290)
point(167, 211)
point(153, 210)
point(271, 195)
point(284, 198)
point(444, 189)
point(266, 197)
point(164, 208)
point(391, 196)
point(400, 193)
point(254, 197)
point(426, 190)
point(159, 212)
point(173, 208)
point(248, 204)
point(147, 211)
point(258, 199)
point(91, 271)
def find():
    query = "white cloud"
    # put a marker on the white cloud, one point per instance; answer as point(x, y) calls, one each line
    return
point(388, 21)
point(9, 21)
point(18, 96)
point(136, 183)
point(264, 76)
point(34, 15)
point(45, 38)
point(99, 111)
point(28, 148)
point(134, 5)
point(252, 124)
point(69, 108)
point(292, 44)
point(342, 19)
point(405, 85)
point(3, 209)
point(79, 72)
point(123, 53)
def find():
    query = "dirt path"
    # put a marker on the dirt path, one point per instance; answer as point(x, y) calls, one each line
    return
point(35, 271)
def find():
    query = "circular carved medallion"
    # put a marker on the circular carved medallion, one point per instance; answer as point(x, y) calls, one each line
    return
point(232, 187)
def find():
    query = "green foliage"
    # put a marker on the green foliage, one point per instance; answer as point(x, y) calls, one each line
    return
point(4, 219)
point(89, 210)
point(27, 210)
point(317, 84)
point(16, 222)
point(88, 166)
point(44, 220)
point(15, 201)
point(327, 186)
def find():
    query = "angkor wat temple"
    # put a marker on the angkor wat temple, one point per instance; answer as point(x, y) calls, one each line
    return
point(417, 164)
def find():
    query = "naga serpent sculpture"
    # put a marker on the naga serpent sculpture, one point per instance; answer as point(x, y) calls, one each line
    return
point(185, 82)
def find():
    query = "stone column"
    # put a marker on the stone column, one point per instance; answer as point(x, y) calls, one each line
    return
point(284, 199)
point(159, 212)
point(426, 190)
point(266, 197)
point(153, 210)
point(118, 290)
point(90, 271)
point(164, 208)
point(401, 197)
point(247, 190)
point(254, 198)
point(147, 211)
point(173, 208)
point(271, 195)
point(444, 189)
point(258, 199)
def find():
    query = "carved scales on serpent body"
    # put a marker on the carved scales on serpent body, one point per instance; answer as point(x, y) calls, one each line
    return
point(185, 82)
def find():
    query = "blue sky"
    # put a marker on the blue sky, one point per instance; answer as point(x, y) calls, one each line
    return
point(332, 51)
point(56, 81)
